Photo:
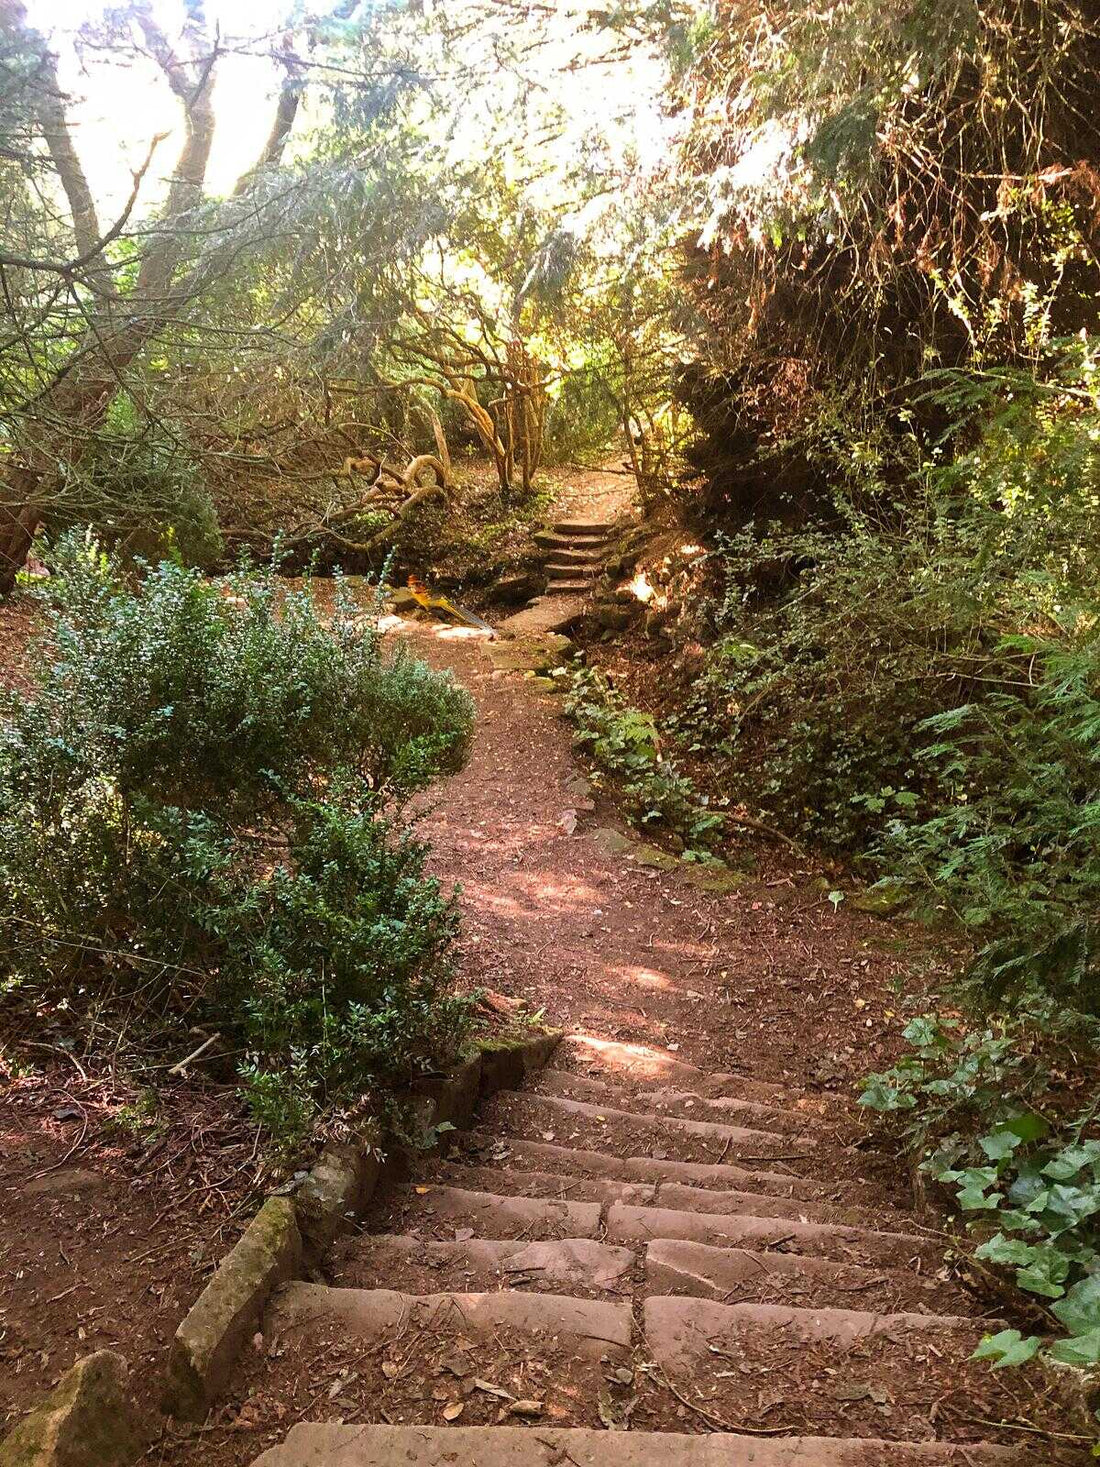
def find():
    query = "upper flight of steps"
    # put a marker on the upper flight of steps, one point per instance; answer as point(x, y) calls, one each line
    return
point(632, 1263)
point(575, 550)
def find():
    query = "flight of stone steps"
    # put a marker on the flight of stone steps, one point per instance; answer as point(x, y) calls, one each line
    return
point(632, 1263)
point(575, 550)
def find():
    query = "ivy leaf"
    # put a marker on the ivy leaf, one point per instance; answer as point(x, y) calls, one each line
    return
point(1045, 1274)
point(1027, 1184)
point(1007, 1348)
point(1011, 1252)
point(922, 1032)
point(999, 1144)
point(970, 1199)
point(1021, 1222)
point(1079, 1311)
point(882, 1097)
point(1028, 1126)
point(1081, 1350)
point(1071, 1160)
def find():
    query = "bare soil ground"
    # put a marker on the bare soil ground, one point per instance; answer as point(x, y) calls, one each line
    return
point(111, 1222)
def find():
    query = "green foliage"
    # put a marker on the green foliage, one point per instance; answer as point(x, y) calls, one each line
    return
point(626, 743)
point(923, 681)
point(200, 819)
point(1028, 1188)
point(141, 492)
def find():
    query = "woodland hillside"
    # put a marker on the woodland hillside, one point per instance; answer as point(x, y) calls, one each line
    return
point(297, 302)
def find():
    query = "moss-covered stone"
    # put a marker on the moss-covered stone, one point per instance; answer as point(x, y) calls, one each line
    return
point(884, 899)
point(210, 1338)
point(337, 1189)
point(88, 1420)
point(507, 1060)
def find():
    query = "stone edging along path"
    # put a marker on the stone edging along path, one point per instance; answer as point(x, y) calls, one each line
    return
point(89, 1419)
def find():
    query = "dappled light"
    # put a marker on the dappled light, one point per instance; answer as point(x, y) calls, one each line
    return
point(549, 731)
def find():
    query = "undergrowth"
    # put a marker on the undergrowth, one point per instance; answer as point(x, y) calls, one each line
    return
point(626, 745)
point(202, 823)
point(979, 1105)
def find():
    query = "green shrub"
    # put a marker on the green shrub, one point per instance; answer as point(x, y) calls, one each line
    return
point(143, 492)
point(201, 820)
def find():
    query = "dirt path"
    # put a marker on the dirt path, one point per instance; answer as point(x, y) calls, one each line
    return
point(671, 1247)
point(786, 985)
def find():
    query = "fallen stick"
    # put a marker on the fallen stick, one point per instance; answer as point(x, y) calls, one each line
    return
point(205, 1045)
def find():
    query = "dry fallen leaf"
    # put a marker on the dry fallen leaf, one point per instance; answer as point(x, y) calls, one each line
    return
point(453, 1411)
point(525, 1408)
point(492, 1390)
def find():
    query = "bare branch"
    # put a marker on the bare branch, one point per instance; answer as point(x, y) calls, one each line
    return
point(71, 267)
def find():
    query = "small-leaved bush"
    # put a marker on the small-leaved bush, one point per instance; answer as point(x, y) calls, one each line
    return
point(626, 744)
point(1028, 1186)
point(202, 823)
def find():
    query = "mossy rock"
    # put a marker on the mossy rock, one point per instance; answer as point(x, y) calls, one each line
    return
point(88, 1420)
point(884, 899)
point(507, 1059)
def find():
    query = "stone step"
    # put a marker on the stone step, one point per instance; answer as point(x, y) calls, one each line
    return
point(738, 1275)
point(439, 1210)
point(582, 544)
point(543, 1155)
point(864, 1246)
point(590, 1328)
point(583, 525)
point(335, 1444)
point(548, 1185)
point(864, 1373)
point(584, 1080)
point(760, 1204)
point(634, 1064)
point(805, 1111)
point(567, 586)
point(621, 1132)
point(684, 1104)
point(413, 1266)
point(542, 615)
point(561, 567)
point(678, 1332)
point(570, 553)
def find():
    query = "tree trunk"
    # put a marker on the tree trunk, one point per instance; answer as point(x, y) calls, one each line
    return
point(65, 416)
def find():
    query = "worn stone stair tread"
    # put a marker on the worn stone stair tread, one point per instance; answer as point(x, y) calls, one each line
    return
point(534, 1155)
point(544, 614)
point(582, 525)
point(592, 1327)
point(335, 1444)
point(509, 1106)
point(566, 585)
point(554, 1265)
point(640, 1063)
point(677, 1266)
point(760, 1204)
point(555, 1185)
point(554, 540)
point(728, 1230)
point(564, 561)
point(570, 551)
point(493, 1215)
point(678, 1330)
point(679, 1103)
point(731, 1107)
